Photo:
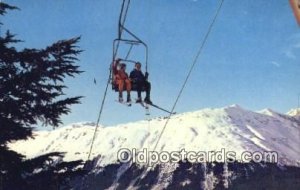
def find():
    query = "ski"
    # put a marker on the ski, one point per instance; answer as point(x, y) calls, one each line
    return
point(146, 106)
point(124, 103)
point(143, 104)
point(162, 109)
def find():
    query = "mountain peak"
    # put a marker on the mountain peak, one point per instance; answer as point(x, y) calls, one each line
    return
point(235, 106)
point(294, 112)
point(268, 112)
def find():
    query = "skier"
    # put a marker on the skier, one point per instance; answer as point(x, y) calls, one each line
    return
point(121, 78)
point(140, 80)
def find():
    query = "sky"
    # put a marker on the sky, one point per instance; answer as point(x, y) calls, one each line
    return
point(251, 57)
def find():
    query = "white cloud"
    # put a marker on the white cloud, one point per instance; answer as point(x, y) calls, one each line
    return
point(289, 53)
point(275, 63)
point(292, 49)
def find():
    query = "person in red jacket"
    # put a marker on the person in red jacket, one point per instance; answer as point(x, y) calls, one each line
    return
point(121, 78)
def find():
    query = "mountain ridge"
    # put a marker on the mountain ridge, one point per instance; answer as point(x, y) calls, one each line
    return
point(233, 128)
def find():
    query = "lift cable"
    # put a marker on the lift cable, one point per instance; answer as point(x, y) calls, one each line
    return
point(190, 71)
point(108, 81)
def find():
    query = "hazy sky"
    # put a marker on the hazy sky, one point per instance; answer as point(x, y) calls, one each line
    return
point(251, 57)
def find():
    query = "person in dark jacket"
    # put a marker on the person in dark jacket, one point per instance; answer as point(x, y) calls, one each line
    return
point(141, 81)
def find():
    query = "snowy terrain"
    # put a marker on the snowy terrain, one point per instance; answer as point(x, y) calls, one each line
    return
point(233, 128)
point(294, 113)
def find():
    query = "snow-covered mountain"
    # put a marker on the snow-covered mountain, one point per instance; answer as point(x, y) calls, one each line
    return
point(231, 128)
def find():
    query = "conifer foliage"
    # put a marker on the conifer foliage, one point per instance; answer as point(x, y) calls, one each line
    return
point(31, 91)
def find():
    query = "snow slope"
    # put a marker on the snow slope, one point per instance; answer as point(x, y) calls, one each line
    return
point(294, 113)
point(233, 128)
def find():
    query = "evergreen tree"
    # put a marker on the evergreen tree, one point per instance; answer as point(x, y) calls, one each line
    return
point(31, 91)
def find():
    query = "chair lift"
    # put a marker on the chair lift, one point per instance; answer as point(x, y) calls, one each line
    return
point(132, 41)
